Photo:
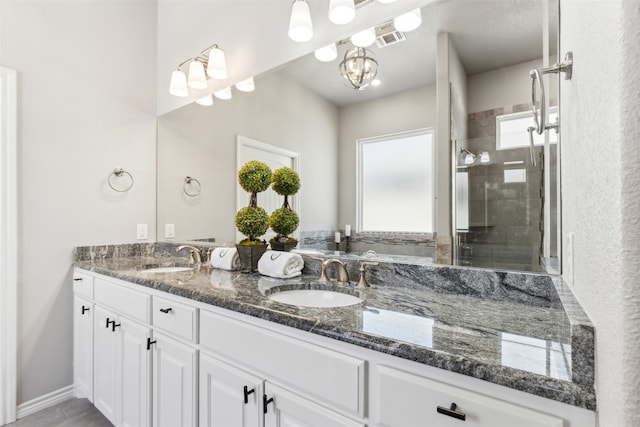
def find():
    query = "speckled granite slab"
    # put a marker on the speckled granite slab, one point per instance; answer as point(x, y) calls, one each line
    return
point(523, 331)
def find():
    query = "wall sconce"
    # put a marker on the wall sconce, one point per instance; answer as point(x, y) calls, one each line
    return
point(484, 157)
point(469, 157)
point(213, 60)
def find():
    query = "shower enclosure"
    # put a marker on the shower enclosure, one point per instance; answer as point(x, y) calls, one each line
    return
point(500, 199)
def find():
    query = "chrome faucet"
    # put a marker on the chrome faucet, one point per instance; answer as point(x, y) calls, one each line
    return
point(343, 275)
point(194, 254)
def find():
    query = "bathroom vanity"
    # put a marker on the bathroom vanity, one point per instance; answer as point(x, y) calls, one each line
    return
point(210, 348)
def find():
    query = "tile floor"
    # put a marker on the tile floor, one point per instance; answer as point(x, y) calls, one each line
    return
point(70, 413)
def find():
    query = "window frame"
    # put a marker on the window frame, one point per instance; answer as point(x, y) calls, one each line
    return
point(513, 116)
point(359, 184)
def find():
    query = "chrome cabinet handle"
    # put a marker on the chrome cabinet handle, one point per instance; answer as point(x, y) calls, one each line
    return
point(451, 412)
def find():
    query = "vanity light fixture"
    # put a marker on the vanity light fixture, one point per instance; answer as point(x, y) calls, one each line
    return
point(300, 26)
point(197, 78)
point(247, 85)
point(359, 67)
point(223, 93)
point(484, 157)
point(327, 53)
point(206, 101)
point(409, 21)
point(212, 59)
point(364, 38)
point(342, 11)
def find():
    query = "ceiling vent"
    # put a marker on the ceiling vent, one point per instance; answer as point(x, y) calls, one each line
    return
point(387, 35)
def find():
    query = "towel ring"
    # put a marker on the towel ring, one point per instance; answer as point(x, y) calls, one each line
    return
point(187, 182)
point(119, 173)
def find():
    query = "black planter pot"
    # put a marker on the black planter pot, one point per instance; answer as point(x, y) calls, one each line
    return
point(284, 247)
point(249, 256)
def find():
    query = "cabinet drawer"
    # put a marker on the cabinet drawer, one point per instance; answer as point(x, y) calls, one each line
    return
point(82, 284)
point(335, 377)
point(126, 301)
point(405, 399)
point(174, 318)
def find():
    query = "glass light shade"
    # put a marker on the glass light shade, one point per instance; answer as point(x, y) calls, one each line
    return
point(376, 82)
point(223, 93)
point(178, 85)
point(300, 26)
point(342, 11)
point(207, 101)
point(364, 38)
point(468, 159)
point(247, 85)
point(409, 21)
point(484, 157)
point(217, 65)
point(359, 68)
point(327, 53)
point(197, 78)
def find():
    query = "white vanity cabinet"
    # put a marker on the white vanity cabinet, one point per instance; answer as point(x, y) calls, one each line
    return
point(83, 347)
point(406, 399)
point(174, 382)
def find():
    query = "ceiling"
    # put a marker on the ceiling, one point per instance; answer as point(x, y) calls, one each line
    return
point(487, 34)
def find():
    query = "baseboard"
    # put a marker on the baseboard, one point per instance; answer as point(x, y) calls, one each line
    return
point(44, 401)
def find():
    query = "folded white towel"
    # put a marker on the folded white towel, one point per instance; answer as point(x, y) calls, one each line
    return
point(282, 265)
point(225, 259)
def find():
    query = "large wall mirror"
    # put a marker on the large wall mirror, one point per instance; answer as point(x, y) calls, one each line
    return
point(503, 210)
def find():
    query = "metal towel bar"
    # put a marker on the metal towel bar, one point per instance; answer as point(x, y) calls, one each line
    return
point(536, 74)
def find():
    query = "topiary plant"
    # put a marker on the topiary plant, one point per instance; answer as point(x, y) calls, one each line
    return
point(253, 221)
point(284, 221)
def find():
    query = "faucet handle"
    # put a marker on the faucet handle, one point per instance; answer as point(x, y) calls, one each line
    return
point(362, 283)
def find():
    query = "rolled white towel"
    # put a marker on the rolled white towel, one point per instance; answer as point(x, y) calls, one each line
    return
point(282, 265)
point(225, 259)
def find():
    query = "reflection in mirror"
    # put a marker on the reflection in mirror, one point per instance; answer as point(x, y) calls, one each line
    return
point(304, 106)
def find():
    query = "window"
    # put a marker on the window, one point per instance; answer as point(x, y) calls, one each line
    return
point(511, 130)
point(395, 183)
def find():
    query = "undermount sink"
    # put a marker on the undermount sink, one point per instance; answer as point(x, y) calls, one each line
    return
point(317, 298)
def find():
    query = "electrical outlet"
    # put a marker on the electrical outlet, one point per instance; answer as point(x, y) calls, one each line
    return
point(567, 270)
point(142, 232)
point(169, 231)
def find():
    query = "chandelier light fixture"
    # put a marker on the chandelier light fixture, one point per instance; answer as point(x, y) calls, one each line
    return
point(358, 67)
point(300, 26)
point(212, 60)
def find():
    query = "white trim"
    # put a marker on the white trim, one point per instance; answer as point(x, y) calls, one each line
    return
point(8, 245)
point(45, 401)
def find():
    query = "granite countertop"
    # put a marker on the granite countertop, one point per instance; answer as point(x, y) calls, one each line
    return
point(528, 347)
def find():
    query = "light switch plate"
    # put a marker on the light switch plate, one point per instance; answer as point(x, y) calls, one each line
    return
point(142, 232)
point(169, 231)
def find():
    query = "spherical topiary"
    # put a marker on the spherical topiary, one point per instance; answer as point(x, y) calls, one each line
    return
point(284, 221)
point(254, 176)
point(252, 221)
point(285, 181)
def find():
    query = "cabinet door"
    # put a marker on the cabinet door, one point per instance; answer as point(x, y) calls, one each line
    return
point(174, 383)
point(134, 372)
point(228, 396)
point(405, 399)
point(290, 410)
point(105, 387)
point(83, 348)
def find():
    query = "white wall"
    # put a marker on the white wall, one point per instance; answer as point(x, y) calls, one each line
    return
point(201, 142)
point(601, 191)
point(86, 106)
point(505, 86)
point(409, 110)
